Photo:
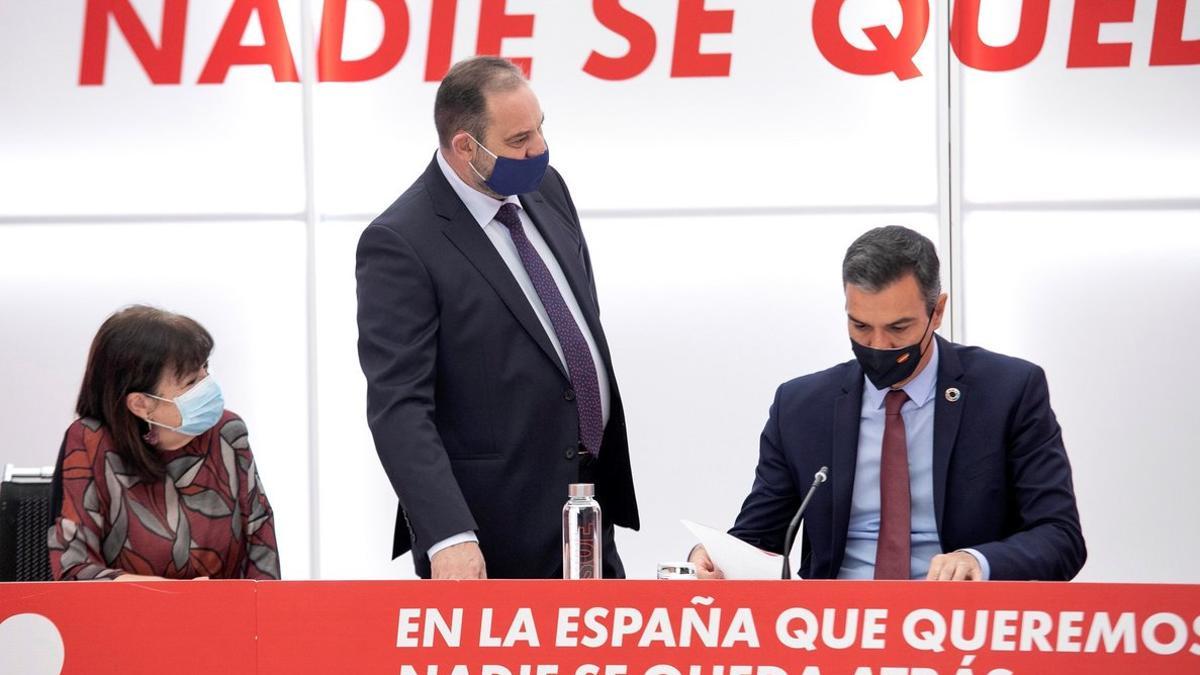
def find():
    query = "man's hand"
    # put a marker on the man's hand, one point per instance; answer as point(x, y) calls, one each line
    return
point(956, 566)
point(461, 561)
point(705, 567)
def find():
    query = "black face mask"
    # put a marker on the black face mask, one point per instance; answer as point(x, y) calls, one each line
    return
point(887, 367)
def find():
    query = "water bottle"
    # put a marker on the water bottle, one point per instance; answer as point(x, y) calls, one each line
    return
point(581, 534)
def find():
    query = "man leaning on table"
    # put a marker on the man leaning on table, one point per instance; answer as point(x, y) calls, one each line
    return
point(946, 461)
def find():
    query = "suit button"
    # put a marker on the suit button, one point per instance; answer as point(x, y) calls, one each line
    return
point(569, 453)
point(569, 394)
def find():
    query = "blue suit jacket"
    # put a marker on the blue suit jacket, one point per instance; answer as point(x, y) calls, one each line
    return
point(1001, 478)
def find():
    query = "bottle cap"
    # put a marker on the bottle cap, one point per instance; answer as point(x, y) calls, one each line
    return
point(582, 490)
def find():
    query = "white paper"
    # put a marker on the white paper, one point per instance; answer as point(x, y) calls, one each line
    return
point(734, 557)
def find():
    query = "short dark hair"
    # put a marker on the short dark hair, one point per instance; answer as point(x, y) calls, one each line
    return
point(461, 102)
point(132, 350)
point(884, 255)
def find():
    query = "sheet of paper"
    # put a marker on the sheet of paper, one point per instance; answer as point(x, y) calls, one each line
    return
point(736, 558)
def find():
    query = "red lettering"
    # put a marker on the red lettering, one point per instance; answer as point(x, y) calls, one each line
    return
point(229, 50)
point(1086, 50)
point(892, 53)
point(692, 23)
point(163, 64)
point(331, 67)
point(636, 30)
point(1024, 48)
point(1169, 48)
point(496, 24)
point(441, 39)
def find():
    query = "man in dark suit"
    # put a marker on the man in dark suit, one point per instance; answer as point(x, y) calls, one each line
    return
point(490, 387)
point(946, 461)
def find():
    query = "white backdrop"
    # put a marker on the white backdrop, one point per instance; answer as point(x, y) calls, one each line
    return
point(1066, 204)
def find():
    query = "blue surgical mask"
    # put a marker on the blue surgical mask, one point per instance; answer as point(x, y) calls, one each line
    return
point(514, 176)
point(200, 408)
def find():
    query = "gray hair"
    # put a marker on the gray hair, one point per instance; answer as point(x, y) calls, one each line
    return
point(461, 102)
point(884, 255)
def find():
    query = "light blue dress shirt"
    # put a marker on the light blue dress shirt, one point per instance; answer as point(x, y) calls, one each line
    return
point(863, 535)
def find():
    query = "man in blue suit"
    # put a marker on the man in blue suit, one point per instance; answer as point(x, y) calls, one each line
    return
point(946, 461)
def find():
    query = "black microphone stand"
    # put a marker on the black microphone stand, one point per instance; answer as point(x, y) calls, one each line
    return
point(790, 539)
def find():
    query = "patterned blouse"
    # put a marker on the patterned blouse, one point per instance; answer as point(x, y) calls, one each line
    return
point(208, 516)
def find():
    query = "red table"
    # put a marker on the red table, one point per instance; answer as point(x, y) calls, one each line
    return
point(599, 628)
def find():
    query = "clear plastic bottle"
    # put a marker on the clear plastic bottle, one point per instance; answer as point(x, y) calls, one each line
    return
point(582, 545)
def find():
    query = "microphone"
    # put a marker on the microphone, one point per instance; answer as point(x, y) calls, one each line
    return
point(790, 539)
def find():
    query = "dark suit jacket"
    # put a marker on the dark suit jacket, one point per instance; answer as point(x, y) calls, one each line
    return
point(466, 398)
point(1001, 479)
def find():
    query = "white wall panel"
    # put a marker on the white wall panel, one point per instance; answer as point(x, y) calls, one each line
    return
point(1048, 132)
point(130, 146)
point(357, 503)
point(1106, 303)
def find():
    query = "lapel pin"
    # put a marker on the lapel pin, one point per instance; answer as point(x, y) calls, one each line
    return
point(953, 394)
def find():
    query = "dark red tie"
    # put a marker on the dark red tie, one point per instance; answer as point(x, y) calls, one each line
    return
point(895, 521)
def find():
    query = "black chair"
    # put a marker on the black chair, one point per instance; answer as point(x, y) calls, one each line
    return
point(25, 522)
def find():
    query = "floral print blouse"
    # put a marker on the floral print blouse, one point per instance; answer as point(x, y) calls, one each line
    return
point(208, 517)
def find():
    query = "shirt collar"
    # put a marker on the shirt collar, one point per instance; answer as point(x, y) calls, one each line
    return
point(920, 389)
point(482, 207)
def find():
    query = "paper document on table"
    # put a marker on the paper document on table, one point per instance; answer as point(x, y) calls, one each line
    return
point(734, 557)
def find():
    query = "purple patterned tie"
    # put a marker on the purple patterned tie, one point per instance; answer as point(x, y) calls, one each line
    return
point(580, 365)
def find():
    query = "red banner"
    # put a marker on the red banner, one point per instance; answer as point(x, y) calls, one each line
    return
point(611, 628)
point(106, 627)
